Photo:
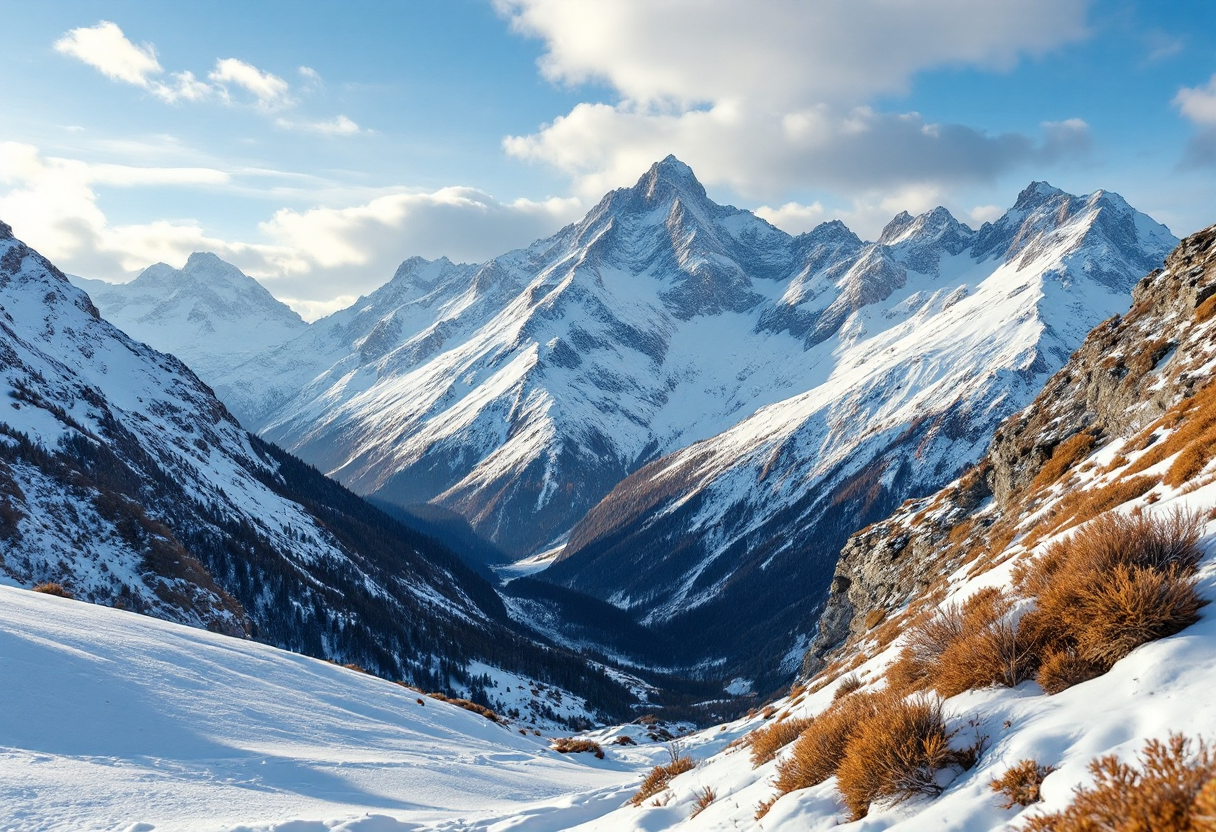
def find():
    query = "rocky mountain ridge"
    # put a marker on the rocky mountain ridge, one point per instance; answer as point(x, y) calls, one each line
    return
point(1137, 383)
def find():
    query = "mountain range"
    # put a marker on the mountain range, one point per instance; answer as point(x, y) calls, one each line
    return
point(686, 408)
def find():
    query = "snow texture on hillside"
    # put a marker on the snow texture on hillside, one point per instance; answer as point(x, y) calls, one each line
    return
point(948, 331)
point(124, 479)
point(127, 723)
point(207, 313)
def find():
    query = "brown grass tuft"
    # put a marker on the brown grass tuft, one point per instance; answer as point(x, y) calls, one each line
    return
point(52, 588)
point(577, 745)
point(763, 806)
point(818, 752)
point(1062, 669)
point(847, 685)
point(895, 754)
point(1116, 583)
point(1065, 455)
point(965, 647)
point(660, 776)
point(1020, 784)
point(705, 797)
point(767, 740)
point(1160, 795)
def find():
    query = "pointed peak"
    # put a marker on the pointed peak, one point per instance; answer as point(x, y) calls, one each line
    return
point(6, 231)
point(832, 231)
point(667, 177)
point(1035, 194)
point(896, 227)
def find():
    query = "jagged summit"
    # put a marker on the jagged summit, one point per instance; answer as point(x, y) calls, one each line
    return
point(1035, 194)
point(6, 231)
point(667, 176)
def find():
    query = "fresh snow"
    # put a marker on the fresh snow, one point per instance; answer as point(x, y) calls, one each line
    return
point(121, 722)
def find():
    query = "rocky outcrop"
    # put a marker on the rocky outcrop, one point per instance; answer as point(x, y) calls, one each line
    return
point(1128, 372)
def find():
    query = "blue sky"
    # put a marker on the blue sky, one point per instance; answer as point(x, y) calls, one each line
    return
point(317, 145)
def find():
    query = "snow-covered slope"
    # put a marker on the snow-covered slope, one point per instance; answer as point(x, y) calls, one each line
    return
point(938, 333)
point(207, 313)
point(119, 722)
point(124, 479)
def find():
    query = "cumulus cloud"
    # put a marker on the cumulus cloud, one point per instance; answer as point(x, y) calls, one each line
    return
point(270, 90)
point(771, 96)
point(462, 223)
point(761, 155)
point(1198, 104)
point(782, 54)
point(311, 259)
point(105, 48)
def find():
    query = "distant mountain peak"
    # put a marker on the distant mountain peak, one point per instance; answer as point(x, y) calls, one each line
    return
point(1035, 194)
point(669, 177)
point(6, 231)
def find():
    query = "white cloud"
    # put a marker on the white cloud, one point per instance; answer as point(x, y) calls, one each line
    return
point(981, 214)
point(793, 217)
point(1198, 104)
point(461, 223)
point(769, 97)
point(51, 203)
point(763, 155)
point(312, 259)
point(780, 54)
point(105, 48)
point(339, 126)
point(270, 90)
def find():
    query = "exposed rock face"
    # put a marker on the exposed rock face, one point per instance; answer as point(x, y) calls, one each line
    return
point(1126, 374)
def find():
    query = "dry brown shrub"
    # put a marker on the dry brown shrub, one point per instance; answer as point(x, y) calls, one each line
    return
point(895, 754)
point(767, 740)
point(1203, 810)
point(768, 712)
point(965, 647)
point(577, 745)
point(467, 705)
point(1205, 310)
point(847, 685)
point(1117, 583)
point(660, 776)
point(1062, 669)
point(1157, 796)
point(1020, 784)
point(1194, 423)
point(763, 806)
point(1082, 505)
point(874, 617)
point(1131, 606)
point(705, 797)
point(818, 752)
point(1066, 454)
point(52, 588)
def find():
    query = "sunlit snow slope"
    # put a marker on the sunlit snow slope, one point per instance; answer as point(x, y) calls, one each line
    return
point(115, 721)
